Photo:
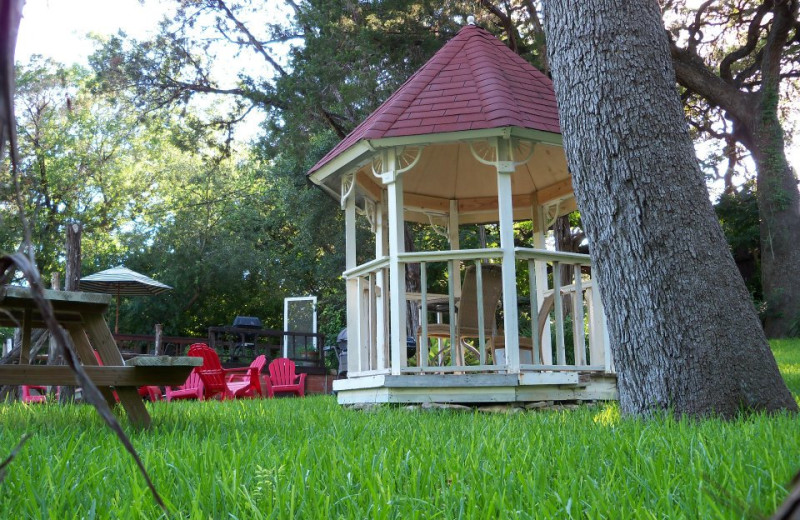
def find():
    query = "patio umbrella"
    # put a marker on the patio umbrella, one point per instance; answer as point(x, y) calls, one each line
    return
point(121, 280)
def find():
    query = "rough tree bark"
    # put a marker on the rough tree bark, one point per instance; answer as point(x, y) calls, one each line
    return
point(684, 334)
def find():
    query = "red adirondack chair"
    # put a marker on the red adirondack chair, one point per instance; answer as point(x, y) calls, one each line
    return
point(39, 397)
point(214, 377)
point(246, 381)
point(191, 389)
point(282, 378)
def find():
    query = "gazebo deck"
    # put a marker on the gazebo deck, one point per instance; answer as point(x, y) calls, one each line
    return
point(528, 386)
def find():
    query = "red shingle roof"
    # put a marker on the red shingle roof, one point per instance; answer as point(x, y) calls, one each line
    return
point(474, 82)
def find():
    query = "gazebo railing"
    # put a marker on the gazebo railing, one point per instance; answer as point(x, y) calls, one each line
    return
point(543, 330)
point(453, 260)
point(590, 345)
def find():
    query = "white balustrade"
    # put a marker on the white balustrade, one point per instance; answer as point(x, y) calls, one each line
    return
point(541, 308)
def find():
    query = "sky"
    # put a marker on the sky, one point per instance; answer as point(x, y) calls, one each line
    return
point(58, 29)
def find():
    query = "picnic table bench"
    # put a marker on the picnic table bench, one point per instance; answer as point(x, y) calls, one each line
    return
point(81, 315)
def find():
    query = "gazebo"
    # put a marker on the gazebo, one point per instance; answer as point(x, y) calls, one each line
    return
point(471, 138)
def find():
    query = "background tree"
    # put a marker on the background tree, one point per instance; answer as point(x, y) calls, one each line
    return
point(684, 333)
point(344, 59)
point(737, 212)
point(734, 58)
point(79, 161)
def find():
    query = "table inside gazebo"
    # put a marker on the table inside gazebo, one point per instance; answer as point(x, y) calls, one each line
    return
point(81, 315)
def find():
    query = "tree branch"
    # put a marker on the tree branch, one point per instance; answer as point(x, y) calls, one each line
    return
point(252, 39)
point(509, 27)
point(783, 18)
point(692, 73)
point(694, 28)
point(753, 32)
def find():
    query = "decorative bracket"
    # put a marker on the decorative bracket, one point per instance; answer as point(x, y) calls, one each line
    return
point(348, 187)
point(442, 231)
point(551, 214)
point(371, 214)
point(502, 166)
point(403, 158)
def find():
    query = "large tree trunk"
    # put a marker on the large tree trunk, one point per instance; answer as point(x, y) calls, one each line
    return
point(684, 334)
point(779, 208)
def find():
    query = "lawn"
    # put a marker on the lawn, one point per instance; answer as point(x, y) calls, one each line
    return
point(309, 458)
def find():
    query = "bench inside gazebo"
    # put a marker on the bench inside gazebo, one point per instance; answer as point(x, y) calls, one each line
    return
point(471, 138)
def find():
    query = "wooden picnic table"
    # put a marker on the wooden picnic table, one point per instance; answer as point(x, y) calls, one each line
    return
point(81, 315)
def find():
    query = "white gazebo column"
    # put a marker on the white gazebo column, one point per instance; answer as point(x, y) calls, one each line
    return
point(539, 234)
point(455, 243)
point(353, 319)
point(505, 168)
point(381, 250)
point(397, 272)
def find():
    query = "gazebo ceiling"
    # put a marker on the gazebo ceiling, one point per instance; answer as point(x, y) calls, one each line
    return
point(473, 90)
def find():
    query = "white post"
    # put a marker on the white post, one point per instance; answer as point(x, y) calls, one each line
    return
point(353, 319)
point(596, 356)
point(380, 286)
point(604, 351)
point(455, 243)
point(579, 340)
point(505, 168)
point(397, 272)
point(539, 233)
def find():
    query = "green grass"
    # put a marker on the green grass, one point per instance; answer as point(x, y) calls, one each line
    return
point(291, 458)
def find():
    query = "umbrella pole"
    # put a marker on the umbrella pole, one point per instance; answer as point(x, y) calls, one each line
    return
point(116, 325)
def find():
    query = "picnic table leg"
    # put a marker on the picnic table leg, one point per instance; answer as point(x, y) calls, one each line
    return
point(84, 350)
point(134, 406)
point(100, 336)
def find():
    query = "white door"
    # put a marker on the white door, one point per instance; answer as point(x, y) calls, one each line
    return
point(299, 315)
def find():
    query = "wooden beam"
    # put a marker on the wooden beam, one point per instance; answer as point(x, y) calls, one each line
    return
point(85, 352)
point(100, 336)
point(506, 217)
point(105, 376)
point(554, 191)
point(490, 203)
point(61, 300)
point(416, 201)
point(25, 351)
point(368, 185)
point(13, 318)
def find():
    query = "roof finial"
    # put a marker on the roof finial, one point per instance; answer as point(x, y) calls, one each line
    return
point(470, 20)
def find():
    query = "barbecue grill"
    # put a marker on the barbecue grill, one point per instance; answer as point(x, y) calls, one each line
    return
point(246, 341)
